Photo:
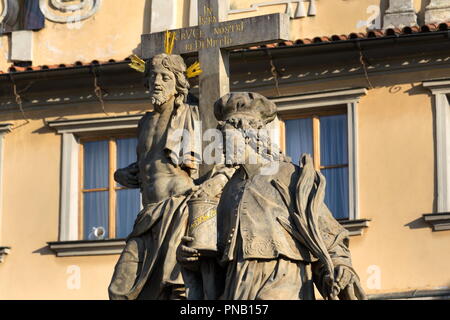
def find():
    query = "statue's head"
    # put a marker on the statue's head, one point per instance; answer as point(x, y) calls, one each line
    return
point(245, 110)
point(167, 79)
point(243, 118)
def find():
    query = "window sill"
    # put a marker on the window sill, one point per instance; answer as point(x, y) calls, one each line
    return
point(438, 221)
point(87, 248)
point(355, 227)
point(4, 251)
point(115, 246)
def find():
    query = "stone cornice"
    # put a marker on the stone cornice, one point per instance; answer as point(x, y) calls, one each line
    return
point(95, 124)
point(5, 128)
point(320, 99)
point(438, 221)
point(355, 227)
point(438, 86)
point(4, 251)
point(413, 295)
point(87, 248)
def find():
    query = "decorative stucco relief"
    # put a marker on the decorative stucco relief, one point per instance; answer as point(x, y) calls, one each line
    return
point(302, 9)
point(299, 12)
point(64, 11)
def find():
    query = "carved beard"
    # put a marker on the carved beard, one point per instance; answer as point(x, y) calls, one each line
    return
point(160, 98)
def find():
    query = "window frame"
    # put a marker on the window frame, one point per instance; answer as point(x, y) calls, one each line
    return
point(4, 129)
point(440, 90)
point(323, 103)
point(73, 132)
point(112, 185)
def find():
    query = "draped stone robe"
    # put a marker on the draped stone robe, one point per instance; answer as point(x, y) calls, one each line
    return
point(276, 235)
point(147, 268)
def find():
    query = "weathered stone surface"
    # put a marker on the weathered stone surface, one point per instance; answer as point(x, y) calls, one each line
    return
point(165, 183)
point(164, 15)
point(400, 14)
point(437, 11)
point(275, 235)
point(212, 39)
point(22, 45)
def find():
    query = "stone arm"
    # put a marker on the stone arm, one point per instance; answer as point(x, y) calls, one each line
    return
point(215, 182)
point(129, 176)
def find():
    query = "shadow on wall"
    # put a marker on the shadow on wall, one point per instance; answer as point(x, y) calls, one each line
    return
point(421, 13)
point(419, 223)
point(147, 17)
point(44, 251)
point(146, 25)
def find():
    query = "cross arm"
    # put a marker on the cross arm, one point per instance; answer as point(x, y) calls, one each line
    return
point(223, 35)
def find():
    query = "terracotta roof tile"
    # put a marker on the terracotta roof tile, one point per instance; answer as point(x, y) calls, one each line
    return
point(375, 34)
point(339, 37)
point(299, 42)
point(444, 26)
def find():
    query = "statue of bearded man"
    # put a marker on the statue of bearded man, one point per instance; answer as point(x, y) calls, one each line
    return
point(275, 235)
point(164, 172)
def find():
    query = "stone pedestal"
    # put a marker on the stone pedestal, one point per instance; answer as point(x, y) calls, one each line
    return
point(437, 11)
point(400, 14)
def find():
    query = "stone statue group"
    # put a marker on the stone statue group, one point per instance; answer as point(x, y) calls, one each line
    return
point(237, 233)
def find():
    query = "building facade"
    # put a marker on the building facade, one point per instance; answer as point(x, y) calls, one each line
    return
point(362, 85)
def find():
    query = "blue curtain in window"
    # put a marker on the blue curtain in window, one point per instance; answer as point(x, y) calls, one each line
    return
point(336, 193)
point(128, 206)
point(333, 144)
point(95, 176)
point(128, 200)
point(96, 215)
point(333, 140)
point(299, 138)
point(333, 152)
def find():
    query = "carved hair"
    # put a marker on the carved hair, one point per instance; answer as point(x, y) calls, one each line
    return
point(250, 107)
point(175, 64)
point(250, 113)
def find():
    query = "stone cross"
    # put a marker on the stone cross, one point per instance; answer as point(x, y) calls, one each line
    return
point(213, 38)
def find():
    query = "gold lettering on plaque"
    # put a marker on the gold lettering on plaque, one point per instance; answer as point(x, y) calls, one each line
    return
point(208, 17)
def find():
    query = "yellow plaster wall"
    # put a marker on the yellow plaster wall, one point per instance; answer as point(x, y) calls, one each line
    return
point(114, 31)
point(4, 50)
point(397, 186)
point(333, 16)
point(31, 199)
point(396, 168)
point(397, 183)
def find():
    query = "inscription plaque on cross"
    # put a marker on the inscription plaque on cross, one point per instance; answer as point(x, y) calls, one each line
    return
point(213, 38)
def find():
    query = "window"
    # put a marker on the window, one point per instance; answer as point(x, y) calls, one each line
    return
point(105, 204)
point(93, 148)
point(325, 137)
point(324, 124)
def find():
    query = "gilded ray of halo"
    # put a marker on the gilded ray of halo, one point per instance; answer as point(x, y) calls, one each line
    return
point(169, 41)
point(194, 70)
point(137, 63)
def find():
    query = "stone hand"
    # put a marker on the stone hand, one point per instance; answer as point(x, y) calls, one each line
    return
point(211, 188)
point(347, 284)
point(128, 177)
point(188, 257)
